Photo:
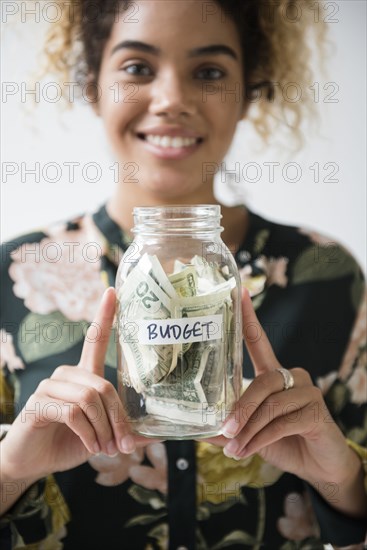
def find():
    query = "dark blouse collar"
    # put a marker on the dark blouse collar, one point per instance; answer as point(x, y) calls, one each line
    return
point(110, 229)
point(117, 236)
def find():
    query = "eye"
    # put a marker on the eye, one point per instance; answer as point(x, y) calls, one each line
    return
point(210, 73)
point(138, 69)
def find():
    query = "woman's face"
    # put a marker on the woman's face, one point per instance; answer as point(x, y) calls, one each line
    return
point(170, 101)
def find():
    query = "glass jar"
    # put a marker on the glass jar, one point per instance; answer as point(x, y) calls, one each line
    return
point(179, 324)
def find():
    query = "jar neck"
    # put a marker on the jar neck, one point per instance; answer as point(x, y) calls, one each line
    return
point(178, 220)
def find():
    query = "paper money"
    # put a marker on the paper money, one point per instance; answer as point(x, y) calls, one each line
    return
point(183, 390)
point(177, 381)
point(185, 282)
point(151, 265)
point(141, 298)
point(184, 383)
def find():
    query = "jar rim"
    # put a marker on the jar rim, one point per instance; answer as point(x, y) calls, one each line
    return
point(213, 209)
point(177, 218)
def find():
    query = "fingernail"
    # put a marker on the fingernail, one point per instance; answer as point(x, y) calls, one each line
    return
point(230, 428)
point(111, 448)
point(229, 455)
point(96, 448)
point(127, 444)
point(231, 448)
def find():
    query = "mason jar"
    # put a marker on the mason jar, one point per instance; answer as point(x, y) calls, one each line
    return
point(179, 324)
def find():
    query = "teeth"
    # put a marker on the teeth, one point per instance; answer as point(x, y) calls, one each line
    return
point(167, 141)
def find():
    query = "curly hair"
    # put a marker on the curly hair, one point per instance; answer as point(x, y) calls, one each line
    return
point(274, 34)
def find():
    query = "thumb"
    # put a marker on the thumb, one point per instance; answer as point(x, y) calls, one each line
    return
point(257, 343)
point(98, 335)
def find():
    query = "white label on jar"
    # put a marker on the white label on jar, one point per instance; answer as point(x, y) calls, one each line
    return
point(180, 331)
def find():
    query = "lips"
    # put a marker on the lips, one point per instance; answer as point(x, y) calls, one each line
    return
point(169, 131)
point(168, 147)
point(166, 141)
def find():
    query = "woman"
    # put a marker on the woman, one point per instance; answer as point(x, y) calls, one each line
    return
point(288, 477)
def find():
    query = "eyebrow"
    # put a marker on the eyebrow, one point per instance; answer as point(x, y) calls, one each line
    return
point(215, 49)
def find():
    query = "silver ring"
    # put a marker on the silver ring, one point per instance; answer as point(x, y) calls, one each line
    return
point(287, 377)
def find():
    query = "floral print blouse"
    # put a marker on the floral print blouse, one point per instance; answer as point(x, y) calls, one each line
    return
point(310, 298)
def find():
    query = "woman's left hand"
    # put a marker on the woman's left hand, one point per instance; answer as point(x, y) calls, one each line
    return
point(291, 429)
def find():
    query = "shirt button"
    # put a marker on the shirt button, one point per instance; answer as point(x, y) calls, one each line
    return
point(182, 464)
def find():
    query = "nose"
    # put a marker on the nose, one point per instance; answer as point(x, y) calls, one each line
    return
point(171, 96)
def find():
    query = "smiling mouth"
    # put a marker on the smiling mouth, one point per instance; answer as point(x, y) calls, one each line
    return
point(168, 142)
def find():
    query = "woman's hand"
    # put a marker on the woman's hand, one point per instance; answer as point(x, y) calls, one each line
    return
point(291, 429)
point(73, 414)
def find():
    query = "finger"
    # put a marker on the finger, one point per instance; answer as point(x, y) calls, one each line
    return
point(287, 404)
point(276, 430)
point(69, 414)
point(218, 440)
point(142, 441)
point(257, 343)
point(89, 401)
point(256, 393)
point(111, 402)
point(131, 442)
point(98, 335)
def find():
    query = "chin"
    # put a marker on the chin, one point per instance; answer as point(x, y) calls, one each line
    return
point(171, 195)
point(166, 187)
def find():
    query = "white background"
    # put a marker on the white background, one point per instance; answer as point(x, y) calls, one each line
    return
point(335, 208)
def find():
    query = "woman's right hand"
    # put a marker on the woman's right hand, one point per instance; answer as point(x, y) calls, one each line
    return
point(72, 415)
